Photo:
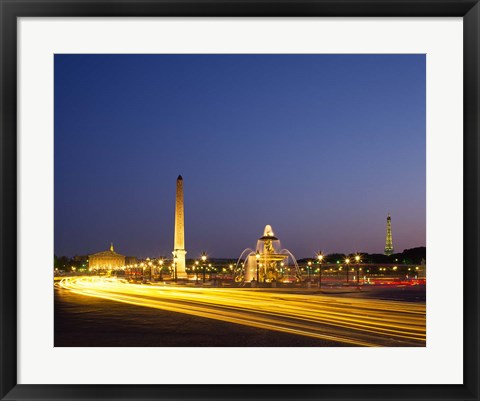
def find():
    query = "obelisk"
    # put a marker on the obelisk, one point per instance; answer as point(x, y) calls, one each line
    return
point(179, 251)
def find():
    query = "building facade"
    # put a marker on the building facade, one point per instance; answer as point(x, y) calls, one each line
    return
point(106, 260)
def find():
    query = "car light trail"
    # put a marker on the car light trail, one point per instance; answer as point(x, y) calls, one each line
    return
point(359, 322)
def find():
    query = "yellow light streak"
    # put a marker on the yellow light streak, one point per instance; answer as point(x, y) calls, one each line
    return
point(354, 321)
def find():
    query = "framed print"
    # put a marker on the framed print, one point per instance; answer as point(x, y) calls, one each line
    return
point(234, 200)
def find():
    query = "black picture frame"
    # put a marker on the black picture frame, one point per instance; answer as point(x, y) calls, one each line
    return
point(11, 10)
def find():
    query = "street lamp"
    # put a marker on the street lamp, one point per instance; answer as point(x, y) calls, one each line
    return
point(204, 258)
point(320, 260)
point(175, 266)
point(347, 262)
point(357, 259)
point(257, 256)
point(160, 262)
point(196, 271)
point(150, 264)
point(308, 269)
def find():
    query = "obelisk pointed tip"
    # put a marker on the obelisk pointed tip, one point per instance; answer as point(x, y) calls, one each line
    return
point(179, 178)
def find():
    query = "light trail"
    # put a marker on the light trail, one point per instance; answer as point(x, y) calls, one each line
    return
point(353, 321)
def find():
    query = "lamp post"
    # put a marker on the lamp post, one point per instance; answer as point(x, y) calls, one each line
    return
point(320, 260)
point(150, 264)
point(204, 258)
point(309, 264)
point(357, 259)
point(257, 256)
point(175, 266)
point(160, 262)
point(347, 262)
point(196, 272)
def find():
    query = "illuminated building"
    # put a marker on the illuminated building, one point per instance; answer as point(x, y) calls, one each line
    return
point(179, 251)
point(106, 260)
point(388, 241)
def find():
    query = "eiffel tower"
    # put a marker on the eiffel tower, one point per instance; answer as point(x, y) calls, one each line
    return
point(389, 242)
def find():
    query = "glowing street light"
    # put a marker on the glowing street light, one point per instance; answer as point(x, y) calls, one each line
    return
point(309, 264)
point(347, 262)
point(196, 271)
point(257, 256)
point(320, 260)
point(204, 258)
point(160, 262)
point(357, 259)
point(150, 264)
point(175, 259)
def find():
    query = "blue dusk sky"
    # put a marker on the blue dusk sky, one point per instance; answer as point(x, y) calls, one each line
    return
point(321, 147)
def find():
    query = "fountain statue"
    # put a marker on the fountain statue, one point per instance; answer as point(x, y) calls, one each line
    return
point(267, 263)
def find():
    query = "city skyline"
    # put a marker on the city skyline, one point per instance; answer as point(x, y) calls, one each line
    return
point(320, 147)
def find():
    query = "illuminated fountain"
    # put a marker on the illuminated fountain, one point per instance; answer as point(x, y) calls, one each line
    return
point(268, 262)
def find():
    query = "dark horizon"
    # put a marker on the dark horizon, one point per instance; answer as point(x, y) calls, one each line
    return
point(321, 147)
